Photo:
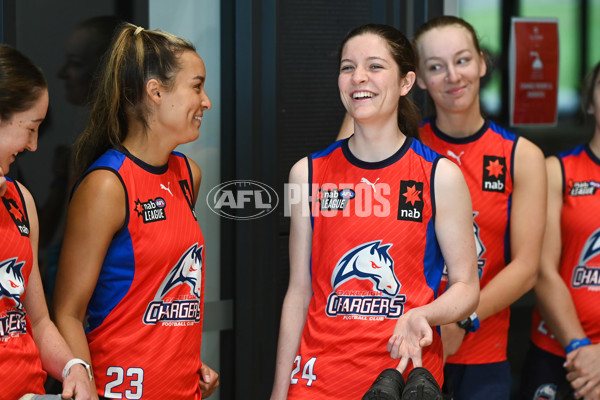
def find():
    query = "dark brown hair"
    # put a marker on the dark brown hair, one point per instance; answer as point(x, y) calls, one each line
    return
point(21, 82)
point(402, 52)
point(136, 55)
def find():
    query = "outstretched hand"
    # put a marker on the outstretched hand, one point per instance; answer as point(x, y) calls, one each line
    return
point(411, 333)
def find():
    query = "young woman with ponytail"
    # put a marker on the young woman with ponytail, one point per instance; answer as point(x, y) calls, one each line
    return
point(130, 290)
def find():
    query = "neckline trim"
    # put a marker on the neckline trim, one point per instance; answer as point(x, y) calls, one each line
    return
point(463, 140)
point(376, 164)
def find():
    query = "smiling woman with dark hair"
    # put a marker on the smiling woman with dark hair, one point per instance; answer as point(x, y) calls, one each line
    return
point(365, 263)
point(30, 343)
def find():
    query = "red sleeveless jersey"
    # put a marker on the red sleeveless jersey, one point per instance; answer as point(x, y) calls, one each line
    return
point(486, 161)
point(580, 254)
point(19, 357)
point(374, 257)
point(145, 315)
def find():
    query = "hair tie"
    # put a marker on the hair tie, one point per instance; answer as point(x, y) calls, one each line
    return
point(138, 30)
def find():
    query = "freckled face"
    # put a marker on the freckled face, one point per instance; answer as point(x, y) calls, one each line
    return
point(450, 68)
point(369, 80)
point(20, 132)
point(183, 105)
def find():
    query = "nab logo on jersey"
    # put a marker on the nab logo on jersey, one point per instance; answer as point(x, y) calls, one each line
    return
point(184, 307)
point(151, 210)
point(410, 204)
point(17, 216)
point(584, 275)
point(494, 174)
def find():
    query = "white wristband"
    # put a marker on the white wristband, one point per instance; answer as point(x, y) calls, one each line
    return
point(74, 361)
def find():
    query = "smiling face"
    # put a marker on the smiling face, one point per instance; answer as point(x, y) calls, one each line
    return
point(450, 68)
point(20, 132)
point(369, 81)
point(183, 105)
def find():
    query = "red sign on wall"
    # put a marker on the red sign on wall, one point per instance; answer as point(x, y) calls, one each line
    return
point(534, 71)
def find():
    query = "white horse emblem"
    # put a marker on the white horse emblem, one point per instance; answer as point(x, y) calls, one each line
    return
point(368, 261)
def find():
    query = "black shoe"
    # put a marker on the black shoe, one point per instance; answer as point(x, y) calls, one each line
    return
point(388, 386)
point(421, 385)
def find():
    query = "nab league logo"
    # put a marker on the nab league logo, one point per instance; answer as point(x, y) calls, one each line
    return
point(584, 188)
point(584, 275)
point(369, 261)
point(151, 210)
point(12, 287)
point(184, 309)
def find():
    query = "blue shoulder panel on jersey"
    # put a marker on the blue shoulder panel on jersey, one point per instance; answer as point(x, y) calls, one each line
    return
point(502, 132)
point(328, 150)
point(118, 267)
point(114, 281)
point(572, 152)
point(433, 261)
point(111, 158)
point(423, 150)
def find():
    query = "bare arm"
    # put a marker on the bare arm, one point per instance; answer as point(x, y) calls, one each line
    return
point(527, 221)
point(54, 351)
point(552, 295)
point(84, 250)
point(554, 300)
point(299, 293)
point(454, 231)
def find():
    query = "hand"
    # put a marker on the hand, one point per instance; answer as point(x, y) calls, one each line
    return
point(583, 371)
point(209, 380)
point(3, 183)
point(77, 385)
point(452, 337)
point(411, 333)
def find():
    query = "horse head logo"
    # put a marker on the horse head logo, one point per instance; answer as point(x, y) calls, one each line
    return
point(188, 270)
point(591, 248)
point(368, 261)
point(12, 284)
